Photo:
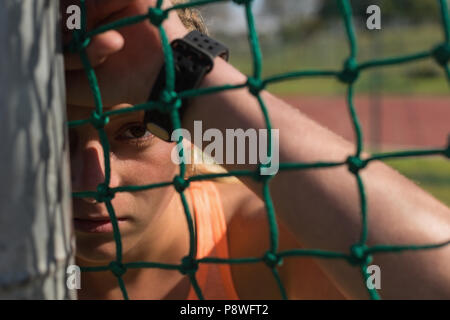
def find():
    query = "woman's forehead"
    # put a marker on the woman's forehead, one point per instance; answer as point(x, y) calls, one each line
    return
point(83, 112)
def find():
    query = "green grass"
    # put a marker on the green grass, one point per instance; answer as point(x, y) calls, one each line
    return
point(396, 84)
point(329, 48)
point(432, 174)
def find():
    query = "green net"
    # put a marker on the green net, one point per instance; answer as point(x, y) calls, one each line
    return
point(359, 254)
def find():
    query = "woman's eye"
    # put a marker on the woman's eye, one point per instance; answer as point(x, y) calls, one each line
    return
point(135, 132)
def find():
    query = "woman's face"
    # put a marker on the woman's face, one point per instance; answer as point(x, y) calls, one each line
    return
point(137, 158)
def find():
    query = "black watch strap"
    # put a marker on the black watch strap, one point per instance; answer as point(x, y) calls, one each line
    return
point(193, 58)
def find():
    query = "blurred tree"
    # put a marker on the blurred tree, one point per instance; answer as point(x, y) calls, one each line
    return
point(392, 11)
point(289, 9)
point(303, 18)
point(294, 18)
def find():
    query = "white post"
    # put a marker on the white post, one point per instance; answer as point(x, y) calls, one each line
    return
point(36, 238)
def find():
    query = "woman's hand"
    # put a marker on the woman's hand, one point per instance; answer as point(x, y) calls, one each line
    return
point(126, 61)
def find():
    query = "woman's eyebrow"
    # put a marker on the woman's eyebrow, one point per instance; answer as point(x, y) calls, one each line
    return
point(121, 111)
point(115, 114)
point(126, 115)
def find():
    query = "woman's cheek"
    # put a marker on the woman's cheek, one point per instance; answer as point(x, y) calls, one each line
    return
point(159, 163)
point(154, 166)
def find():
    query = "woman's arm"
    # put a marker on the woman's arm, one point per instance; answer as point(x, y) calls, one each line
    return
point(322, 207)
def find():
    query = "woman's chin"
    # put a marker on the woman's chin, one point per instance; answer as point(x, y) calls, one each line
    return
point(95, 252)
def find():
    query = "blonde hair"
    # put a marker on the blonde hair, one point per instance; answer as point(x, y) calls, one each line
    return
point(207, 165)
point(191, 18)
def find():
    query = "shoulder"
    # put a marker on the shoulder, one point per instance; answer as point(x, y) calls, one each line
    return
point(237, 199)
point(248, 235)
point(244, 210)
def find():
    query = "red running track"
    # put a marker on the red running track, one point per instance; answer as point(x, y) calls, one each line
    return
point(397, 122)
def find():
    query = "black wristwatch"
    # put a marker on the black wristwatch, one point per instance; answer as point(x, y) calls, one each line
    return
point(193, 58)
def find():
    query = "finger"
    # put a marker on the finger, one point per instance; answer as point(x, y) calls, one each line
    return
point(100, 48)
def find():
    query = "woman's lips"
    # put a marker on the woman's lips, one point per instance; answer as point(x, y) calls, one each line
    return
point(95, 226)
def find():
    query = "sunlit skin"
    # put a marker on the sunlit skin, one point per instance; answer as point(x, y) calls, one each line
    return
point(317, 209)
point(155, 227)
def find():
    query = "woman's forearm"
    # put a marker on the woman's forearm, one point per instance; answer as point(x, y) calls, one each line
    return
point(322, 206)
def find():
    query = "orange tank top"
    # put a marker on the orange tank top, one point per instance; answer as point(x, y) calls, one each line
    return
point(214, 280)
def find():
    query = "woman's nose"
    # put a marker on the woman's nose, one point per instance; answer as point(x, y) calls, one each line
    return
point(87, 166)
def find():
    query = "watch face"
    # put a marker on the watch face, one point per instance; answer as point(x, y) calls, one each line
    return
point(158, 131)
point(192, 58)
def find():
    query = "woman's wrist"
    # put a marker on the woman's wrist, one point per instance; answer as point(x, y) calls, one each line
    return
point(229, 109)
point(223, 73)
